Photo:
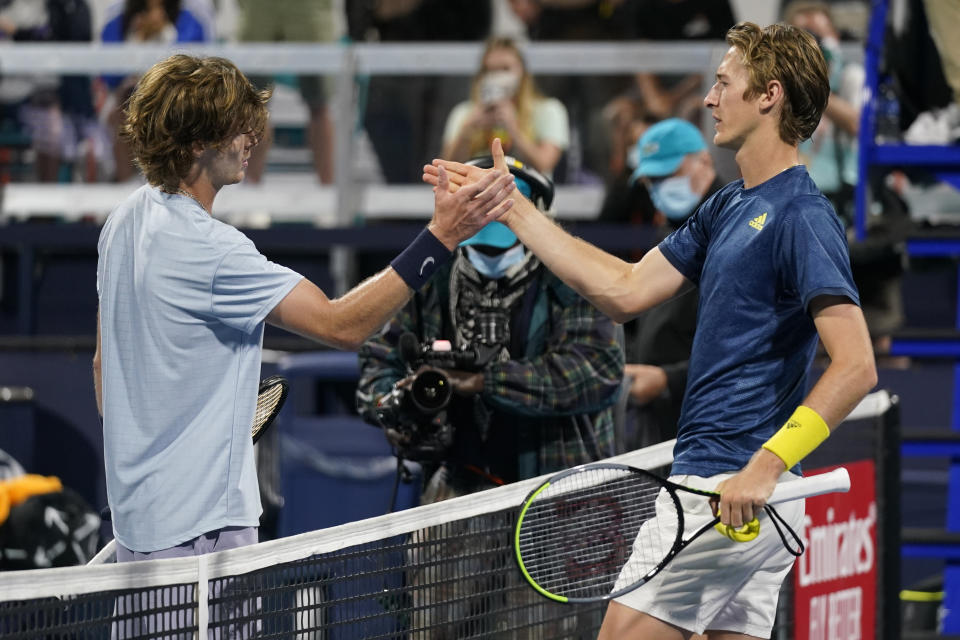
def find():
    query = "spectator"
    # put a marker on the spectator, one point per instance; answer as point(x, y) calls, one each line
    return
point(831, 158)
point(584, 95)
point(404, 114)
point(831, 152)
point(675, 167)
point(295, 21)
point(504, 103)
point(626, 200)
point(157, 21)
point(944, 19)
point(57, 113)
point(542, 401)
point(677, 95)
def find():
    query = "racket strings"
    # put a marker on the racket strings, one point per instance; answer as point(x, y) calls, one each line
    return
point(268, 401)
point(579, 532)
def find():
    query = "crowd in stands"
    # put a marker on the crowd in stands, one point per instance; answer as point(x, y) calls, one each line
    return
point(576, 128)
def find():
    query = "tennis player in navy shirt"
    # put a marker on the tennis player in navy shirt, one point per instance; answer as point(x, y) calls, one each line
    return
point(770, 258)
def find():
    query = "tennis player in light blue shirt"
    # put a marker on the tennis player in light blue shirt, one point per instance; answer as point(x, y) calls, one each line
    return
point(183, 302)
point(192, 294)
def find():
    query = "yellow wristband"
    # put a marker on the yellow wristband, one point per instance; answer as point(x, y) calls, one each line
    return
point(802, 433)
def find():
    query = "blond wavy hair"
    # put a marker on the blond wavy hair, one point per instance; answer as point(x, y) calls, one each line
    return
point(185, 101)
point(793, 57)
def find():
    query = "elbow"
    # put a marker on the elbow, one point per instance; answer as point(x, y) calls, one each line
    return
point(346, 342)
point(352, 344)
point(347, 338)
point(614, 309)
point(870, 375)
point(864, 374)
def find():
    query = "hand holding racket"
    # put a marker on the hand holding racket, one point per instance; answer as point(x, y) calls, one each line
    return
point(576, 531)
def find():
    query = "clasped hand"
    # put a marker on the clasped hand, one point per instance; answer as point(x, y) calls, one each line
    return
point(460, 210)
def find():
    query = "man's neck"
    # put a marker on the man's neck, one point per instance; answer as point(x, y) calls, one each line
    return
point(762, 157)
point(201, 189)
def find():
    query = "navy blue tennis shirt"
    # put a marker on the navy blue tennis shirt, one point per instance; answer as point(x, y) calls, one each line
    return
point(759, 256)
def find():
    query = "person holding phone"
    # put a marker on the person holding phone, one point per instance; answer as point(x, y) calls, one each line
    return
point(505, 103)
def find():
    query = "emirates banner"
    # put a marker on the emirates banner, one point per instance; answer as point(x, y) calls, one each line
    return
point(835, 580)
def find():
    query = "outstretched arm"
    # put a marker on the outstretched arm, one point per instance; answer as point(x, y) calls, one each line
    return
point(349, 320)
point(618, 288)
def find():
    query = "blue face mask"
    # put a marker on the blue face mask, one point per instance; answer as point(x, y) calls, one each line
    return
point(674, 197)
point(495, 267)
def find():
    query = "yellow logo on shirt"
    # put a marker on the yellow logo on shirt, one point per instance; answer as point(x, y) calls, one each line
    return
point(758, 222)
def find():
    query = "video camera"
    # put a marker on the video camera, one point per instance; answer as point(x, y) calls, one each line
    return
point(418, 414)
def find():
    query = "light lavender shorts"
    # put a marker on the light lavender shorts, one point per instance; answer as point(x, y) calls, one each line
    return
point(169, 611)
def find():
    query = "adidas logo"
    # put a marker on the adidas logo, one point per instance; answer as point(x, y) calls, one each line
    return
point(758, 222)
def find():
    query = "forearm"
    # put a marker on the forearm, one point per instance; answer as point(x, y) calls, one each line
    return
point(838, 391)
point(619, 289)
point(346, 322)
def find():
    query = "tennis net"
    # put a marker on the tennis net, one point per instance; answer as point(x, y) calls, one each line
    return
point(444, 570)
point(439, 571)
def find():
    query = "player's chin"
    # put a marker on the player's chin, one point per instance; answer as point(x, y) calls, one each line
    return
point(723, 141)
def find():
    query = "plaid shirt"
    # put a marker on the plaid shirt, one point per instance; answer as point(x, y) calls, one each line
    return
point(559, 394)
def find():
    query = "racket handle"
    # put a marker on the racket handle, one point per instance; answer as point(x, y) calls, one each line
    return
point(837, 480)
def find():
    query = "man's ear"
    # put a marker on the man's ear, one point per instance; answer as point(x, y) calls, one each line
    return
point(772, 96)
point(197, 149)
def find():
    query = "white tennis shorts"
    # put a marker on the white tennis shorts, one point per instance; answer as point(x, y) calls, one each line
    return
point(716, 583)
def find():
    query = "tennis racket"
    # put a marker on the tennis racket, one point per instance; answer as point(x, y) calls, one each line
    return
point(576, 531)
point(270, 398)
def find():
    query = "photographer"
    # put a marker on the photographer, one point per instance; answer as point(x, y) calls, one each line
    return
point(539, 367)
point(505, 104)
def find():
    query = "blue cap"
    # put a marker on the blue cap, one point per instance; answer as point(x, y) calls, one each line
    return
point(661, 148)
point(497, 234)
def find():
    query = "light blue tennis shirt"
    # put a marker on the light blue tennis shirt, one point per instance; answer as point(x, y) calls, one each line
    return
point(183, 298)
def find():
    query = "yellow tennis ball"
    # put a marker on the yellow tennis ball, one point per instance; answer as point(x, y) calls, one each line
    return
point(746, 533)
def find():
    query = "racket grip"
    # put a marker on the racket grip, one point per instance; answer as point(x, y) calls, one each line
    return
point(836, 481)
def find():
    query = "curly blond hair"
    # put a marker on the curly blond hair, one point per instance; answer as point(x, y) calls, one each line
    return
point(185, 101)
point(792, 56)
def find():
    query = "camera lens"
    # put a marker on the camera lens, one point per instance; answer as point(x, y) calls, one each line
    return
point(430, 392)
